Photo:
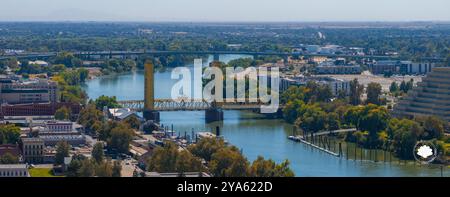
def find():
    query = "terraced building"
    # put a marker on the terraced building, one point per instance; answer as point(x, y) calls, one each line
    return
point(430, 97)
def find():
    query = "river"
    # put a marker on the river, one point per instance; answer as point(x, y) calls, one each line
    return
point(254, 134)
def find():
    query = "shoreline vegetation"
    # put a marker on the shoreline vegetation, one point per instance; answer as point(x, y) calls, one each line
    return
point(312, 108)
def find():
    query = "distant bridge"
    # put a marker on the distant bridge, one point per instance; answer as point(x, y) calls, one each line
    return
point(110, 54)
point(190, 105)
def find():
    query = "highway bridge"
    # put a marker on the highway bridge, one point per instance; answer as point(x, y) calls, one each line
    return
point(110, 54)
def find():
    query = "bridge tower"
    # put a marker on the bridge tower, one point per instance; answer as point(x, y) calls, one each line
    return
point(149, 93)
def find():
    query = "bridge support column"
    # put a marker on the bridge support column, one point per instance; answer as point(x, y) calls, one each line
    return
point(216, 57)
point(151, 115)
point(213, 115)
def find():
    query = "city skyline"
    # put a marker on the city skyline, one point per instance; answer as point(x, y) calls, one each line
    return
point(225, 11)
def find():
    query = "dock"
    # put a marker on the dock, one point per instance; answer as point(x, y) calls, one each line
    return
point(300, 139)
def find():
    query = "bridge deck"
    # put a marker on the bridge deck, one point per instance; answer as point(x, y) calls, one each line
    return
point(181, 105)
point(145, 52)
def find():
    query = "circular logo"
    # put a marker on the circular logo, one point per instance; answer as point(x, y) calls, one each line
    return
point(425, 152)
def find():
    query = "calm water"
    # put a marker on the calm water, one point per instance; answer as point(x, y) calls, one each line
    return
point(254, 134)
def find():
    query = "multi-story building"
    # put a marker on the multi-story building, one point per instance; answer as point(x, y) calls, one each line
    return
point(56, 131)
point(37, 109)
point(33, 150)
point(401, 67)
point(338, 66)
point(408, 67)
point(14, 170)
point(382, 67)
point(59, 127)
point(32, 91)
point(430, 97)
point(336, 85)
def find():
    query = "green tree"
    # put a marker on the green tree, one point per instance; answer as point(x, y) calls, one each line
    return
point(62, 151)
point(91, 118)
point(121, 137)
point(205, 147)
point(117, 169)
point(403, 86)
point(67, 59)
point(410, 84)
point(133, 122)
point(293, 93)
point(373, 93)
point(83, 73)
point(434, 127)
point(268, 168)
point(9, 134)
point(228, 162)
point(62, 113)
point(109, 102)
point(394, 87)
point(332, 121)
point(87, 168)
point(186, 162)
point(374, 121)
point(103, 169)
point(75, 165)
point(8, 158)
point(97, 152)
point(312, 118)
point(73, 168)
point(291, 110)
point(318, 92)
point(405, 134)
point(356, 91)
point(163, 159)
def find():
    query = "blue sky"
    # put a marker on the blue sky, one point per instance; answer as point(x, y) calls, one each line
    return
point(225, 10)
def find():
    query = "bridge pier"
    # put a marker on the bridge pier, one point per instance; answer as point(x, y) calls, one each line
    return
point(213, 115)
point(151, 115)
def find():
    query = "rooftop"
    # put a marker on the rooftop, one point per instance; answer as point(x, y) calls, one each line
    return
point(13, 166)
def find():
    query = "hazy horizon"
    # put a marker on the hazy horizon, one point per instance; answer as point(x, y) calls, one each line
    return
point(225, 10)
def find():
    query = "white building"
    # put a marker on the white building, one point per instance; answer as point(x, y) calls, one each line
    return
point(39, 62)
point(336, 85)
point(14, 170)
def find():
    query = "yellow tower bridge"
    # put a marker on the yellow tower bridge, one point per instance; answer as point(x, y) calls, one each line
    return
point(151, 106)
